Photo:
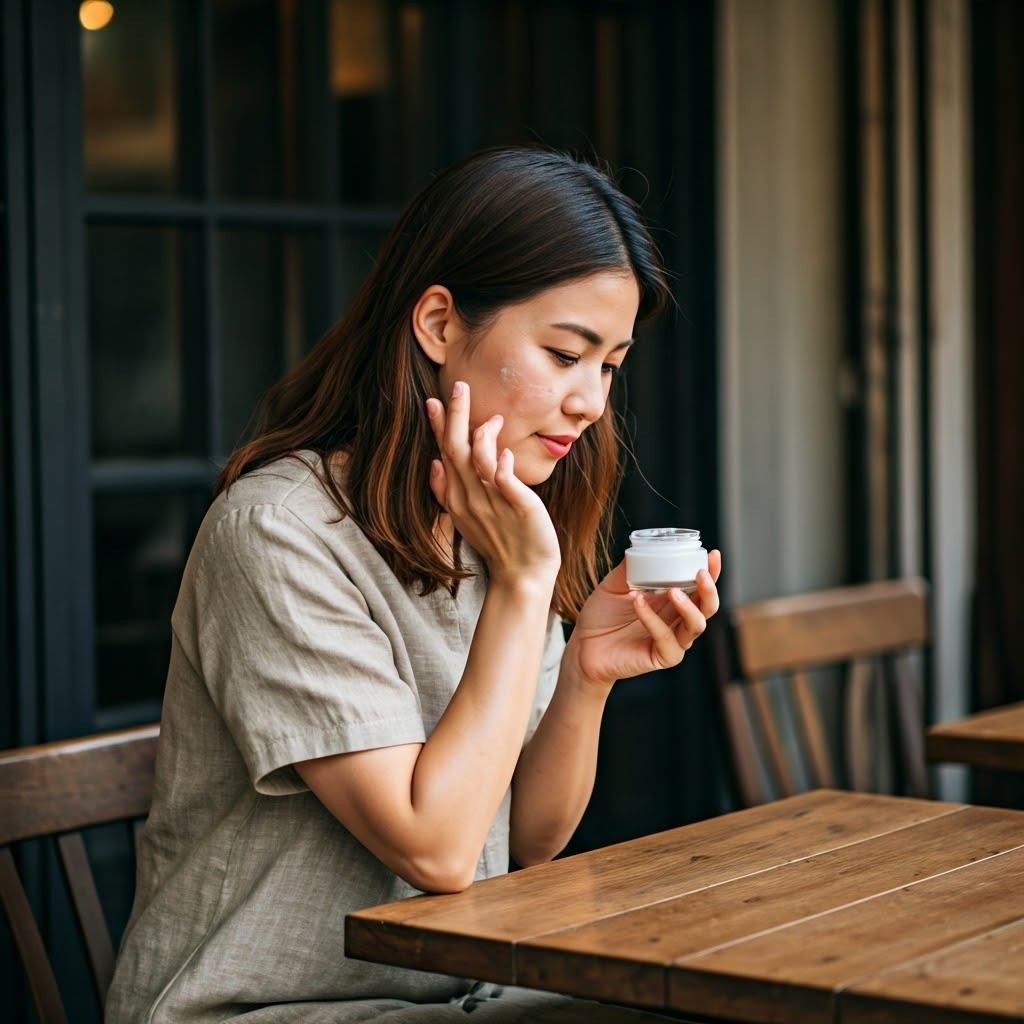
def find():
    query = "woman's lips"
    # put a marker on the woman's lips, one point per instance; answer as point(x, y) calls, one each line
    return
point(559, 445)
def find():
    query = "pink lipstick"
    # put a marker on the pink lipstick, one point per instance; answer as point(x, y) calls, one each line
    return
point(559, 445)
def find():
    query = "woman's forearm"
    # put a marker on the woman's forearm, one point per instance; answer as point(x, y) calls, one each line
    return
point(555, 775)
point(425, 810)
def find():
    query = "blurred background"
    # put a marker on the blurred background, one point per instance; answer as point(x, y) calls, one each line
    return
point(191, 191)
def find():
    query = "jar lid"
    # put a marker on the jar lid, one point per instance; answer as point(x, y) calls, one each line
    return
point(663, 535)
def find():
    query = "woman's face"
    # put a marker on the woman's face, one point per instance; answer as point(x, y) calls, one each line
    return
point(546, 366)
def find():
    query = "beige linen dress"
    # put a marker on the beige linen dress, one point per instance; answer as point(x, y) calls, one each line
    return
point(291, 639)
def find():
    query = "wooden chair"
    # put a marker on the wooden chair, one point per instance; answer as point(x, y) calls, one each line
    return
point(57, 790)
point(819, 689)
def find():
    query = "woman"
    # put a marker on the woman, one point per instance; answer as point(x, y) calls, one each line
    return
point(369, 691)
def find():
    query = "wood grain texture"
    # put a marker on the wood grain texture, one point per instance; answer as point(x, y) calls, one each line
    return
point(31, 951)
point(801, 684)
point(969, 982)
point(815, 959)
point(58, 787)
point(618, 953)
point(52, 791)
point(609, 881)
point(828, 626)
point(794, 911)
point(988, 739)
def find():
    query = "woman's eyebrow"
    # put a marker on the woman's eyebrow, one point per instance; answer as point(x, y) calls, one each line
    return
point(592, 336)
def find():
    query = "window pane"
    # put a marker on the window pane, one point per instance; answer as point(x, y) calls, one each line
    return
point(145, 396)
point(388, 91)
point(141, 543)
point(130, 104)
point(267, 84)
point(359, 250)
point(272, 289)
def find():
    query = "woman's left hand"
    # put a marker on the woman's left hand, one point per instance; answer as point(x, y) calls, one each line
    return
point(621, 633)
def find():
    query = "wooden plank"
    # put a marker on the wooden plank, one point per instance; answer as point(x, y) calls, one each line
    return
point(748, 778)
point(624, 957)
point(775, 749)
point(988, 739)
point(813, 731)
point(860, 750)
point(42, 983)
point(458, 933)
point(59, 787)
point(969, 983)
point(829, 626)
point(907, 697)
point(98, 945)
point(795, 973)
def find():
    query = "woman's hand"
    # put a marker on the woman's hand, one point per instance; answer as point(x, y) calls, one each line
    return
point(503, 519)
point(621, 633)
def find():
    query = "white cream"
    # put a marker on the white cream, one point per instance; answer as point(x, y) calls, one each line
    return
point(662, 558)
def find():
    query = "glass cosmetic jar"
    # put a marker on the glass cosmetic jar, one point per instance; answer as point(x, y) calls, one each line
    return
point(662, 558)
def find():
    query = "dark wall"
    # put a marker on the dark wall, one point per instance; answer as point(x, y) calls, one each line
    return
point(997, 28)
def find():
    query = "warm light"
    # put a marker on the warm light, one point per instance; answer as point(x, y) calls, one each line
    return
point(95, 14)
point(358, 41)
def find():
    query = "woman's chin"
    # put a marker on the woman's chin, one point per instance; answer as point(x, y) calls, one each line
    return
point(533, 475)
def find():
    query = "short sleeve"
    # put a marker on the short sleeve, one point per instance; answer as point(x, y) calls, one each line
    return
point(289, 651)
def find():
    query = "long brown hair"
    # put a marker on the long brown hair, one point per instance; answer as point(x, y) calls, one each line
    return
point(496, 228)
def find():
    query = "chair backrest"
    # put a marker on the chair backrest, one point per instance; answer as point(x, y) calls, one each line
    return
point(57, 790)
point(824, 689)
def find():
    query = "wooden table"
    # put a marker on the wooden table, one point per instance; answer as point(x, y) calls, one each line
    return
point(845, 908)
point(988, 739)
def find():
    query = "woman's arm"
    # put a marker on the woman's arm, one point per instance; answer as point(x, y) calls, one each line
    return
point(425, 809)
point(618, 635)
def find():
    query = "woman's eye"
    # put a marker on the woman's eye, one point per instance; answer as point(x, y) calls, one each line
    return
point(564, 358)
point(612, 369)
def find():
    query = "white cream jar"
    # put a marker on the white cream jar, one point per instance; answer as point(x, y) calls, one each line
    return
point(663, 558)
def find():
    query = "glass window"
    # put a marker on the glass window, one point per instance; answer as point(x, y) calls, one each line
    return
point(358, 250)
point(146, 386)
point(265, 89)
point(141, 542)
point(272, 310)
point(129, 101)
point(388, 82)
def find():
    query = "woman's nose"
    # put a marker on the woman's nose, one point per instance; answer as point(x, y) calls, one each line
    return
point(588, 395)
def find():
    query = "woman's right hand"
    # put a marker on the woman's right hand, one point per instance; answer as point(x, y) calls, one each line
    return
point(501, 517)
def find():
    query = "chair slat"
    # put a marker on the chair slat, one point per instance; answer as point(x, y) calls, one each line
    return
point(88, 911)
point(773, 745)
point(795, 719)
point(908, 701)
point(813, 731)
point(53, 791)
point(59, 787)
point(746, 768)
point(858, 724)
point(42, 983)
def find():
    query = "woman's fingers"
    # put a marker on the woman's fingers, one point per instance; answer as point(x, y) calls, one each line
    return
point(672, 635)
point(436, 417)
point(669, 647)
point(706, 596)
point(439, 483)
point(455, 443)
point(715, 564)
point(485, 448)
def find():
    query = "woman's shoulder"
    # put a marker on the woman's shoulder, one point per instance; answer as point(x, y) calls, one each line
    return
point(288, 493)
point(293, 482)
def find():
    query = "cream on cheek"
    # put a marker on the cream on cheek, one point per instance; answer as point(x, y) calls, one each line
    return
point(520, 383)
point(525, 399)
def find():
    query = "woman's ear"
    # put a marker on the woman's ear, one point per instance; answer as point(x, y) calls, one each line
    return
point(434, 323)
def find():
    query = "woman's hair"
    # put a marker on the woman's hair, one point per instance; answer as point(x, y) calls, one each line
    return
point(496, 229)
